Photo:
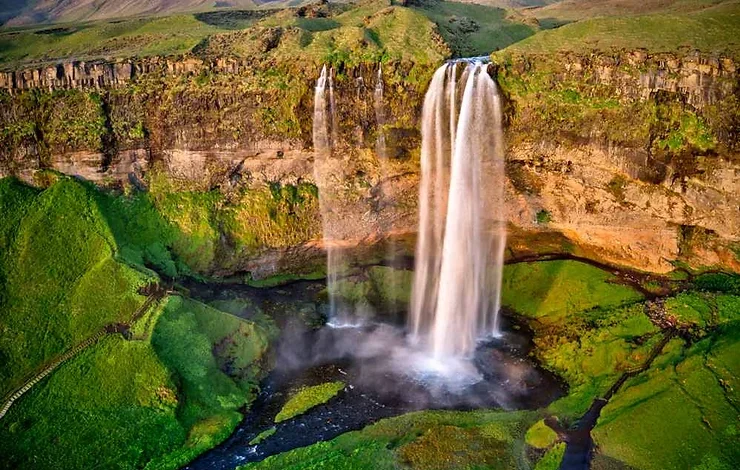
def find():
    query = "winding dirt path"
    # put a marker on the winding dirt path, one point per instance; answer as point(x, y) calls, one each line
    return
point(110, 329)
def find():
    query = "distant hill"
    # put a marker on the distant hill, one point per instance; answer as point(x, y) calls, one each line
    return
point(24, 12)
point(27, 12)
point(574, 10)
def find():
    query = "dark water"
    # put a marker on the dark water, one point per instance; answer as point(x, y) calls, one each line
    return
point(384, 377)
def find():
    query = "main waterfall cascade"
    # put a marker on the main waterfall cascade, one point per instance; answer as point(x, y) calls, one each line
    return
point(462, 224)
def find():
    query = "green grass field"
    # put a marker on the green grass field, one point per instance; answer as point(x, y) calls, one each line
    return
point(711, 30)
point(59, 281)
point(474, 29)
point(137, 37)
point(553, 291)
point(159, 399)
point(371, 31)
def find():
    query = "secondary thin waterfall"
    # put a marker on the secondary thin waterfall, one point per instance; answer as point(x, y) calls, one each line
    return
point(325, 165)
point(379, 113)
point(462, 224)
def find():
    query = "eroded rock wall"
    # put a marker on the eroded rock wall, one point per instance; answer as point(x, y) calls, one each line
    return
point(632, 158)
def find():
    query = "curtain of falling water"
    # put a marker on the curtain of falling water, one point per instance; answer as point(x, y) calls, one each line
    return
point(459, 256)
point(424, 297)
point(325, 165)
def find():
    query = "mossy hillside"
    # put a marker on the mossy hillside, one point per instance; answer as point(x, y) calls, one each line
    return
point(218, 361)
point(681, 413)
point(115, 404)
point(540, 435)
point(251, 219)
point(710, 30)
point(422, 440)
point(473, 30)
point(552, 291)
point(552, 458)
point(154, 36)
point(591, 350)
point(61, 280)
point(702, 311)
point(161, 399)
point(178, 230)
point(587, 328)
point(306, 398)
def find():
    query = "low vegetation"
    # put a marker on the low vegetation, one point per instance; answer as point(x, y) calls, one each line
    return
point(554, 291)
point(140, 37)
point(423, 440)
point(72, 262)
point(306, 398)
point(473, 29)
point(60, 281)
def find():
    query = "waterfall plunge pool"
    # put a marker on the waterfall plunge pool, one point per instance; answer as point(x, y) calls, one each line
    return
point(384, 376)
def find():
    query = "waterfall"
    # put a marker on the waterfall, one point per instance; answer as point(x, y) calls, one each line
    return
point(379, 113)
point(462, 224)
point(326, 165)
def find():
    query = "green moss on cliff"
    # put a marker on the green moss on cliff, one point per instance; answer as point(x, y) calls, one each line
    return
point(552, 291)
point(274, 217)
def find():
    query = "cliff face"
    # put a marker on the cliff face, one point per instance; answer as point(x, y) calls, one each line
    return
point(634, 157)
point(629, 158)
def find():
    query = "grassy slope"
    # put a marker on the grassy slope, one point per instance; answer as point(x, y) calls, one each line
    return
point(682, 413)
point(370, 31)
point(426, 440)
point(126, 38)
point(587, 329)
point(551, 291)
point(574, 10)
point(50, 11)
point(61, 282)
point(711, 30)
point(158, 400)
point(473, 29)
